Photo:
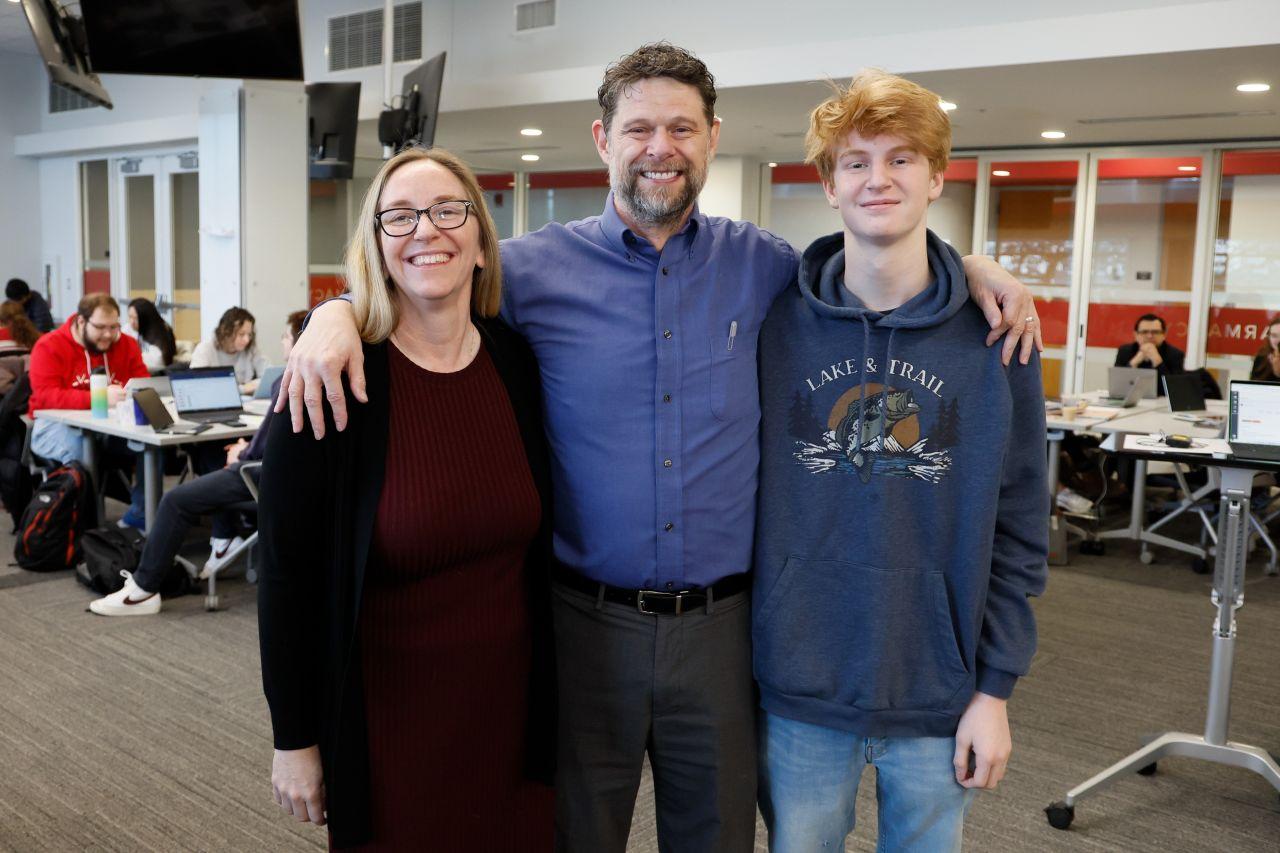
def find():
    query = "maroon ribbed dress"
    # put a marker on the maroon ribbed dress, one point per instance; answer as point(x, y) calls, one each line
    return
point(444, 627)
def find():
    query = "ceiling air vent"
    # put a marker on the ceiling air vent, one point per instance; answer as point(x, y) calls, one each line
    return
point(536, 15)
point(355, 40)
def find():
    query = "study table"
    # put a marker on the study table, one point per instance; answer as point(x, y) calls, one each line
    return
point(153, 442)
point(1227, 597)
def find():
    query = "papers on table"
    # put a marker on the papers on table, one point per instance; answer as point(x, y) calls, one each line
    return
point(1154, 443)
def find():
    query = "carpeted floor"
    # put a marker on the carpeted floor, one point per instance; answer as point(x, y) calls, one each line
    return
point(152, 733)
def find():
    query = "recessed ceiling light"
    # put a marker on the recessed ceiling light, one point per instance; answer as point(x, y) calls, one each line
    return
point(530, 158)
point(1254, 87)
point(1000, 173)
point(530, 131)
point(1053, 134)
point(947, 106)
point(1187, 168)
point(773, 165)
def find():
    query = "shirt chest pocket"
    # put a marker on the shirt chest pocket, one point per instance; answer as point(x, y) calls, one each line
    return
point(735, 389)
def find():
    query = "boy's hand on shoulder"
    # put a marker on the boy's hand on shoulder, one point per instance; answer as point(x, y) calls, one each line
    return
point(984, 732)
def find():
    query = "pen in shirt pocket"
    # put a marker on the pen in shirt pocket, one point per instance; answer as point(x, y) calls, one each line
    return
point(733, 333)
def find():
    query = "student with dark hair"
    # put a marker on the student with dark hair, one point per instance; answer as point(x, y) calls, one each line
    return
point(1266, 363)
point(1149, 349)
point(32, 303)
point(18, 326)
point(234, 343)
point(155, 336)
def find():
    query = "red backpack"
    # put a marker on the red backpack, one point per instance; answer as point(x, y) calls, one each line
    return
point(62, 508)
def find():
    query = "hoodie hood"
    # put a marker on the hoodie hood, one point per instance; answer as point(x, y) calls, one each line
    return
point(822, 284)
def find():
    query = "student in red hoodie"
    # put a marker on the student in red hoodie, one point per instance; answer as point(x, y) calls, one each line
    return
point(61, 363)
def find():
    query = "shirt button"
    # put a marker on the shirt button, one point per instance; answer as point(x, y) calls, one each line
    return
point(668, 526)
point(665, 270)
point(666, 333)
point(666, 463)
point(671, 585)
point(666, 398)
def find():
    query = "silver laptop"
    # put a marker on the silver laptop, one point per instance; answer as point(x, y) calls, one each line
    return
point(207, 394)
point(159, 383)
point(268, 378)
point(1121, 379)
point(1253, 422)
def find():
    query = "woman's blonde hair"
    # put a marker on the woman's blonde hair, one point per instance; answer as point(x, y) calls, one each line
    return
point(373, 292)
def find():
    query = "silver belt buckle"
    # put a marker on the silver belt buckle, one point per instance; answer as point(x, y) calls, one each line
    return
point(640, 596)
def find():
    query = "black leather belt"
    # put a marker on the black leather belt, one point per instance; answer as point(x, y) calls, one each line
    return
point(655, 602)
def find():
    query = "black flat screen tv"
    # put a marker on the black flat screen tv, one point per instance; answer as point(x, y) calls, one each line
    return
point(255, 39)
point(60, 40)
point(421, 90)
point(333, 116)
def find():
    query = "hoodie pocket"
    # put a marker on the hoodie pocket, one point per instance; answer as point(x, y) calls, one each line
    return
point(735, 390)
point(870, 637)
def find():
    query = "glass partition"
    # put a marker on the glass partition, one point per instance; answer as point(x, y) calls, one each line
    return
point(500, 197)
point(566, 196)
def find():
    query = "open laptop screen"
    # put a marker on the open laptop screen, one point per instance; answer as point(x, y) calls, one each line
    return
point(205, 389)
point(1255, 413)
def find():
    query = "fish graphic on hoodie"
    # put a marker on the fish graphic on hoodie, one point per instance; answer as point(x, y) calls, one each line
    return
point(903, 509)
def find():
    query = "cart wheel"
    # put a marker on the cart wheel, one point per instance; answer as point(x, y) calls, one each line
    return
point(1060, 815)
point(1093, 547)
point(1149, 770)
point(1200, 566)
point(1146, 557)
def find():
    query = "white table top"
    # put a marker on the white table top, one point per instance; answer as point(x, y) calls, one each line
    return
point(84, 419)
point(1148, 416)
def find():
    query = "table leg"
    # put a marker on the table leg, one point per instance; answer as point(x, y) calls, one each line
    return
point(152, 481)
point(89, 456)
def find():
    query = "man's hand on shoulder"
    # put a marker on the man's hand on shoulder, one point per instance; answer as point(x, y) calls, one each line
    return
point(327, 347)
point(984, 731)
point(1008, 306)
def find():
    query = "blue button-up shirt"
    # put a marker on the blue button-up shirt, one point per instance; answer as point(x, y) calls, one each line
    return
point(648, 366)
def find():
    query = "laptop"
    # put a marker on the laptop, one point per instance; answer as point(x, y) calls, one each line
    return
point(1184, 391)
point(160, 383)
point(1128, 401)
point(1121, 379)
point(268, 378)
point(153, 409)
point(208, 395)
point(1253, 420)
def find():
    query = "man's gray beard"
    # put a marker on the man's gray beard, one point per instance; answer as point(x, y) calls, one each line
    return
point(658, 209)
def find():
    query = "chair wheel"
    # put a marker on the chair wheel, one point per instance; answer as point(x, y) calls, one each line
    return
point(211, 602)
point(1149, 770)
point(251, 575)
point(1060, 815)
point(1146, 557)
point(1200, 566)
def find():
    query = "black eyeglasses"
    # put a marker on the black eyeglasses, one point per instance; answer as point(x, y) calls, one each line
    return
point(445, 215)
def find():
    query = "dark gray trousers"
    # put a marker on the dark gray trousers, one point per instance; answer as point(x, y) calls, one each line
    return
point(677, 687)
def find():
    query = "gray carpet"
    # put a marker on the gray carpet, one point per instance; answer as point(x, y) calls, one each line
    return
point(152, 734)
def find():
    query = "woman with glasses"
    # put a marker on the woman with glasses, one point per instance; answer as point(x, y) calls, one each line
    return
point(404, 618)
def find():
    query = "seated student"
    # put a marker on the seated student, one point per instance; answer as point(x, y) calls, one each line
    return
point(17, 332)
point(32, 303)
point(183, 506)
point(902, 526)
point(1266, 364)
point(233, 343)
point(1150, 349)
point(154, 335)
point(61, 362)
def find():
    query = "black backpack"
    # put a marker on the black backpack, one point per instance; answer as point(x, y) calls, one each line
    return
point(63, 506)
point(106, 551)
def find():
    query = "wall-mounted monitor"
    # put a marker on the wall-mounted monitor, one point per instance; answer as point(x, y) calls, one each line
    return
point(255, 39)
point(421, 90)
point(333, 114)
point(60, 39)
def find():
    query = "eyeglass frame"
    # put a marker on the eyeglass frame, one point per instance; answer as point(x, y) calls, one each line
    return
point(417, 212)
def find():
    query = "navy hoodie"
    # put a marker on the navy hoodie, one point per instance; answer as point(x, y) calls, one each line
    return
point(903, 518)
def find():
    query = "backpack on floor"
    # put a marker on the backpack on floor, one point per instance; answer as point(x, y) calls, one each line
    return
point(106, 551)
point(63, 506)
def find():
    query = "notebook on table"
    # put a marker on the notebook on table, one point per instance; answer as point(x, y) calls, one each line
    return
point(1253, 418)
point(207, 395)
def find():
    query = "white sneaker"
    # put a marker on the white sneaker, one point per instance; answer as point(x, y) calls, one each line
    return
point(1074, 502)
point(129, 600)
point(221, 552)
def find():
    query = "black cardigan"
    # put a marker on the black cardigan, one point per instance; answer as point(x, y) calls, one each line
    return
point(316, 514)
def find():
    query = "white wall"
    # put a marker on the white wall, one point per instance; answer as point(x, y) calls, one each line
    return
point(1127, 233)
point(19, 176)
point(1253, 249)
point(732, 189)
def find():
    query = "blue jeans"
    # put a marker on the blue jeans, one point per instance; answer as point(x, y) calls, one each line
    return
point(63, 443)
point(809, 784)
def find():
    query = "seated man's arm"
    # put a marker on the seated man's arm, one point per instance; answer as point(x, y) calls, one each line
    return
point(50, 389)
point(1008, 305)
point(328, 347)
